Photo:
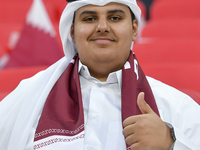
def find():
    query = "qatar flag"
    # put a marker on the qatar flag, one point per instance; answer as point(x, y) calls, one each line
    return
point(37, 44)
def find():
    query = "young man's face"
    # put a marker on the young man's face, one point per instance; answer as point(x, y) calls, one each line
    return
point(103, 36)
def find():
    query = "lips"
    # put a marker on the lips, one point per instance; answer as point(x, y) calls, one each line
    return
point(103, 40)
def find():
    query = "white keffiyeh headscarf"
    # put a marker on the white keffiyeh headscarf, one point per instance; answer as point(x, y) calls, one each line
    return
point(68, 14)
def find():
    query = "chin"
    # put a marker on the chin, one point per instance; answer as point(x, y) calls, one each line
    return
point(104, 58)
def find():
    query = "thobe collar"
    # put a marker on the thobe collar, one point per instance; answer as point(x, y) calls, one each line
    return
point(113, 77)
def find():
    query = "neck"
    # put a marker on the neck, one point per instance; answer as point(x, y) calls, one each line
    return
point(102, 78)
point(102, 72)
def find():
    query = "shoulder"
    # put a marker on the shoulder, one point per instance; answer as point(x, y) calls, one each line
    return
point(170, 101)
point(24, 104)
point(31, 88)
point(180, 111)
point(161, 89)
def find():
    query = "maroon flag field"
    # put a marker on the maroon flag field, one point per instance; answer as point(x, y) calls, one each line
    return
point(37, 44)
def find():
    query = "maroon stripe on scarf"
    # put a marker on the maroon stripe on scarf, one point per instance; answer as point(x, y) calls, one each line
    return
point(134, 82)
point(63, 111)
point(131, 87)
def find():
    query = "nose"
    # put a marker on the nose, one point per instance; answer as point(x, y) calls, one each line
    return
point(102, 26)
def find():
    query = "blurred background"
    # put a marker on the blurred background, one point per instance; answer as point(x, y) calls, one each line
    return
point(167, 47)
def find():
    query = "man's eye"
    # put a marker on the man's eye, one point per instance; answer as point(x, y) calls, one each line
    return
point(115, 18)
point(90, 19)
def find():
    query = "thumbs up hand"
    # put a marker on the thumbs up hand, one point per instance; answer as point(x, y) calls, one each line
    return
point(146, 131)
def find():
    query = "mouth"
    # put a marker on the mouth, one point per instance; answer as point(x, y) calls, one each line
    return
point(103, 40)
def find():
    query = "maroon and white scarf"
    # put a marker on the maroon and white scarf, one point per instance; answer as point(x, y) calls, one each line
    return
point(63, 111)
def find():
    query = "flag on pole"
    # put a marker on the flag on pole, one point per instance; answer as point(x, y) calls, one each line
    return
point(37, 44)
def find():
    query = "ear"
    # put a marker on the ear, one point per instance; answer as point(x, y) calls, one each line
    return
point(135, 29)
point(72, 32)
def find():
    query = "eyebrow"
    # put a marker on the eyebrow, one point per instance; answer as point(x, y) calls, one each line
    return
point(88, 12)
point(116, 11)
point(109, 12)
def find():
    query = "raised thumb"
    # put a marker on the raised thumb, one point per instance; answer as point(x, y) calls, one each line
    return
point(143, 106)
